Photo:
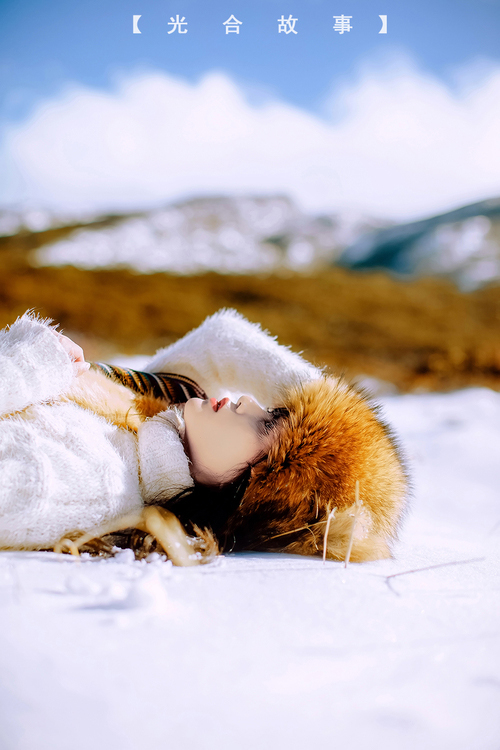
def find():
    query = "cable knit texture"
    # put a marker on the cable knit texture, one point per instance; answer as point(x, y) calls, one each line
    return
point(64, 468)
point(164, 464)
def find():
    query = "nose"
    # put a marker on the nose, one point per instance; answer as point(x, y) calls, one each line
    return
point(248, 405)
point(244, 402)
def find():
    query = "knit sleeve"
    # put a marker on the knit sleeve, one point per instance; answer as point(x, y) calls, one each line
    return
point(164, 466)
point(34, 367)
point(227, 353)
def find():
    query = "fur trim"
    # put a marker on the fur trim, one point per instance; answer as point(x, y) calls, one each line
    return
point(332, 438)
point(119, 405)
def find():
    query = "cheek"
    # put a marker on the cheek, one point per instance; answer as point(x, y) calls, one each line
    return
point(220, 443)
point(239, 445)
point(197, 430)
point(189, 413)
point(228, 450)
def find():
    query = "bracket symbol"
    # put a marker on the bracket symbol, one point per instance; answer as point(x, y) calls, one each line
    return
point(383, 30)
point(135, 28)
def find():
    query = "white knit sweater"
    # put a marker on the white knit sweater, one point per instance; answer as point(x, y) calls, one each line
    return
point(63, 468)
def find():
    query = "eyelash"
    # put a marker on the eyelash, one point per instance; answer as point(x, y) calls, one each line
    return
point(281, 411)
point(276, 415)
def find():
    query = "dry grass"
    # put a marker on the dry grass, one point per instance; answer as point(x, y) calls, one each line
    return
point(423, 334)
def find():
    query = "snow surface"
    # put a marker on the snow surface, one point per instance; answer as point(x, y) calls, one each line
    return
point(278, 651)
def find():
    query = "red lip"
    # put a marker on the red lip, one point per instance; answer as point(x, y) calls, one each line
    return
point(216, 405)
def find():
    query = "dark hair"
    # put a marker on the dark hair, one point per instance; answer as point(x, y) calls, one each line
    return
point(209, 506)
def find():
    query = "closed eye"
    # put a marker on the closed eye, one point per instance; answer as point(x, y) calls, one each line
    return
point(279, 412)
point(267, 425)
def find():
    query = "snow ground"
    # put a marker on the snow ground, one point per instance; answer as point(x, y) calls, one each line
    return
point(274, 651)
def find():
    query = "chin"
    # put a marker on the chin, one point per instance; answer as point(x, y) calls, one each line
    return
point(193, 405)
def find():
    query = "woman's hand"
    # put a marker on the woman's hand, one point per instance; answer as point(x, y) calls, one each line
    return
point(75, 353)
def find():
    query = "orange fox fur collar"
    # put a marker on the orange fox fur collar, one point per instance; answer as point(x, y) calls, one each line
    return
point(306, 485)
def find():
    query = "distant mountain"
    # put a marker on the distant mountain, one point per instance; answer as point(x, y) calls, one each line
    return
point(463, 245)
point(229, 235)
point(252, 234)
point(32, 219)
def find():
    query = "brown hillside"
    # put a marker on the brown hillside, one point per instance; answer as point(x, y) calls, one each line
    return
point(423, 334)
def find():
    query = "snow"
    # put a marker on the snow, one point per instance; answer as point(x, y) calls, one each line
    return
point(274, 651)
point(227, 234)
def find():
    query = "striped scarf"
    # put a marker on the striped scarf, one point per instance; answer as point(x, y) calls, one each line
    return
point(176, 389)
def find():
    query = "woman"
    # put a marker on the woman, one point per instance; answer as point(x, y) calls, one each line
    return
point(271, 461)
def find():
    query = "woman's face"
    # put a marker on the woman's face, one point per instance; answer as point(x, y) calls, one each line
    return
point(223, 437)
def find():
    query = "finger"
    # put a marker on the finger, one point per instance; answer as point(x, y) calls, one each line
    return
point(72, 349)
point(76, 353)
point(80, 367)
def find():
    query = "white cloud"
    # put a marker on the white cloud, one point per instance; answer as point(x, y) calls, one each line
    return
point(405, 145)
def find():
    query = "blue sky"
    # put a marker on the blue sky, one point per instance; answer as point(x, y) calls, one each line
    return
point(96, 118)
point(46, 44)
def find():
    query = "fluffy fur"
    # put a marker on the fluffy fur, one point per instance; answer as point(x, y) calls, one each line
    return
point(96, 392)
point(332, 438)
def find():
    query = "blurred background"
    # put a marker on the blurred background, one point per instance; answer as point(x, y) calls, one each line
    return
point(341, 189)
